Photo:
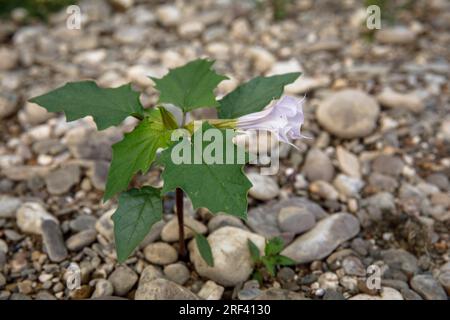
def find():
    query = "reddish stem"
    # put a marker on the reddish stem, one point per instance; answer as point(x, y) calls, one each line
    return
point(180, 216)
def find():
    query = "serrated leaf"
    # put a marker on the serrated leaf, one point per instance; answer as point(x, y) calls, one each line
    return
point(108, 106)
point(274, 246)
point(191, 86)
point(138, 210)
point(254, 251)
point(136, 152)
point(218, 187)
point(254, 95)
point(204, 249)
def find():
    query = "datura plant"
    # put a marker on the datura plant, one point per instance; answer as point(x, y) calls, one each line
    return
point(199, 158)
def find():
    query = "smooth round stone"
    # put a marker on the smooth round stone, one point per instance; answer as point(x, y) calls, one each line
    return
point(123, 279)
point(83, 222)
point(428, 287)
point(349, 114)
point(160, 253)
point(296, 219)
point(53, 241)
point(177, 272)
point(9, 206)
point(386, 294)
point(264, 188)
point(163, 289)
point(224, 220)
point(318, 166)
point(211, 291)
point(81, 239)
point(103, 288)
point(30, 216)
point(169, 232)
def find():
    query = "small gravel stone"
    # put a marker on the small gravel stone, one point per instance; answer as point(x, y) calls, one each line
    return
point(224, 220)
point(428, 287)
point(53, 241)
point(169, 233)
point(264, 188)
point(296, 219)
point(83, 222)
point(177, 272)
point(123, 279)
point(318, 166)
point(30, 216)
point(81, 239)
point(162, 289)
point(211, 291)
point(62, 180)
point(9, 206)
point(160, 253)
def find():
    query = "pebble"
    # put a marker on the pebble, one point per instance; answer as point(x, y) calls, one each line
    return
point(428, 287)
point(232, 260)
point(8, 58)
point(348, 162)
point(400, 259)
point(8, 104)
point(328, 280)
point(353, 266)
point(168, 15)
point(348, 114)
point(280, 294)
point(262, 59)
point(105, 225)
point(177, 273)
point(30, 216)
point(150, 273)
point(224, 220)
point(163, 289)
point(190, 29)
point(264, 188)
point(318, 166)
point(408, 101)
point(53, 240)
point(103, 288)
point(9, 206)
point(211, 291)
point(123, 279)
point(160, 253)
point(386, 294)
point(348, 186)
point(326, 236)
point(62, 180)
point(324, 190)
point(169, 233)
point(83, 222)
point(444, 280)
point(296, 219)
point(81, 239)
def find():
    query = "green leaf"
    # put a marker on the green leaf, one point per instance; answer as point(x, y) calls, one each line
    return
point(136, 152)
point(269, 263)
point(138, 210)
point(204, 249)
point(258, 277)
point(254, 95)
point(108, 106)
point(283, 261)
point(273, 246)
point(191, 86)
point(254, 251)
point(218, 187)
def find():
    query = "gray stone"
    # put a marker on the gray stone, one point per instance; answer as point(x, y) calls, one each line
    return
point(53, 241)
point(232, 260)
point(440, 180)
point(326, 236)
point(348, 162)
point(264, 219)
point(98, 174)
point(409, 101)
point(224, 220)
point(348, 114)
point(83, 222)
point(318, 166)
point(81, 239)
point(353, 266)
point(8, 104)
point(105, 225)
point(177, 272)
point(400, 259)
point(444, 280)
point(150, 273)
point(160, 253)
point(62, 180)
point(264, 188)
point(348, 186)
point(387, 164)
point(9, 206)
point(386, 294)
point(30, 216)
point(280, 294)
point(162, 289)
point(395, 35)
point(428, 287)
point(296, 219)
point(380, 182)
point(169, 233)
point(123, 279)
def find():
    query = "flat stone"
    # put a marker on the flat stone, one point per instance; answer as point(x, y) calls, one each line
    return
point(232, 260)
point(400, 259)
point(326, 236)
point(224, 220)
point(9, 206)
point(318, 166)
point(177, 272)
point(160, 253)
point(103, 288)
point(296, 219)
point(8, 104)
point(81, 239)
point(348, 162)
point(408, 101)
point(162, 289)
point(349, 114)
point(30, 216)
point(168, 15)
point(348, 186)
point(123, 279)
point(395, 35)
point(83, 222)
point(264, 219)
point(53, 241)
point(387, 164)
point(105, 225)
point(428, 287)
point(62, 180)
point(264, 188)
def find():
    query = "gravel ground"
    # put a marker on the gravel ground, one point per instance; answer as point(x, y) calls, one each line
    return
point(369, 190)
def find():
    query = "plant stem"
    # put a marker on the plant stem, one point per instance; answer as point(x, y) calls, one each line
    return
point(179, 204)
